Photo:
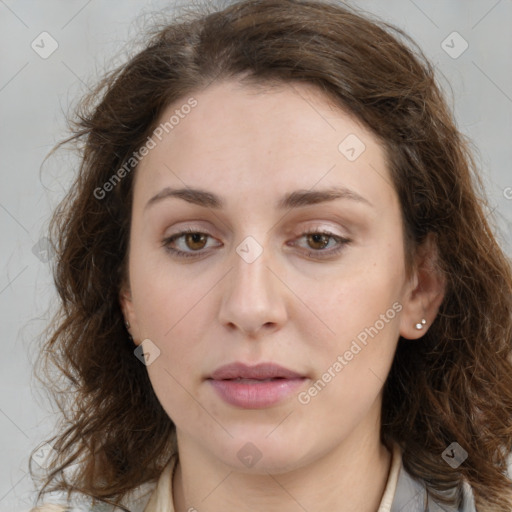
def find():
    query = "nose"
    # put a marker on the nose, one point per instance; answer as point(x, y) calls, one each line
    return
point(253, 296)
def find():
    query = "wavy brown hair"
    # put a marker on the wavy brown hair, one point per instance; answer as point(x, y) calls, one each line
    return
point(454, 384)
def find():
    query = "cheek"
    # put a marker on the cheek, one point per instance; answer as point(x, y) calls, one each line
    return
point(354, 331)
point(349, 301)
point(165, 298)
point(171, 311)
point(351, 366)
point(174, 392)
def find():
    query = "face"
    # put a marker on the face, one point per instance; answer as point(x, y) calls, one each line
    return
point(294, 257)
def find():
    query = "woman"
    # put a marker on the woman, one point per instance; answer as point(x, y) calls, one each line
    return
point(279, 287)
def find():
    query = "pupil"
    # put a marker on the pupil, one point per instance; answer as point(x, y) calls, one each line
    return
point(321, 239)
point(196, 238)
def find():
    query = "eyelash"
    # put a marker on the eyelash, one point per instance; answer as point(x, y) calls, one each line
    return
point(316, 254)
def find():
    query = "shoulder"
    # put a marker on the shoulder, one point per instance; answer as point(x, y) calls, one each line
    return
point(75, 507)
point(50, 507)
point(135, 501)
point(53, 507)
point(412, 494)
point(57, 507)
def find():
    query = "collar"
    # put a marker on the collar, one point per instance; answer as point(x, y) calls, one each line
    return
point(402, 493)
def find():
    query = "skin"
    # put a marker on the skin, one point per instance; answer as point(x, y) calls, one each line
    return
point(289, 306)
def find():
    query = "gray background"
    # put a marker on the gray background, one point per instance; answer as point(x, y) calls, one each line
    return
point(35, 94)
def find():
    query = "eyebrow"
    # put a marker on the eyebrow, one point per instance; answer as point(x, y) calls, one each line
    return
point(296, 199)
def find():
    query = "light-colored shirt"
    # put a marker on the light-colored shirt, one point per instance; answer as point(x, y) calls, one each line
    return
point(162, 499)
point(401, 494)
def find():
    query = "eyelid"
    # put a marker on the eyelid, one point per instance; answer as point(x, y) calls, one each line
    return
point(320, 227)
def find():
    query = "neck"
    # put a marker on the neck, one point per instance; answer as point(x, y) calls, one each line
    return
point(352, 477)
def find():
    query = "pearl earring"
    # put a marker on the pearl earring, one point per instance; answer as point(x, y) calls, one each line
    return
point(127, 324)
point(420, 326)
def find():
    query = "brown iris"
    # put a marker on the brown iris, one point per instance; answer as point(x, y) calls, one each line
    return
point(319, 238)
point(195, 238)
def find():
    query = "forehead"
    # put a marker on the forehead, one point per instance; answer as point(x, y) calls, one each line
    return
point(256, 138)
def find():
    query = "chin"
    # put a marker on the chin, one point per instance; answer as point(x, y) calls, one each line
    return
point(261, 454)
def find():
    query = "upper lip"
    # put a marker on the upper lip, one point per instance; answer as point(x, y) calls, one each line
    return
point(258, 372)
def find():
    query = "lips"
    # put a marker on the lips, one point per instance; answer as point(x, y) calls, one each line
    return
point(262, 372)
point(255, 387)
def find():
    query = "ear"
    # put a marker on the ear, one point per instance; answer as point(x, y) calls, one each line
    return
point(125, 300)
point(424, 292)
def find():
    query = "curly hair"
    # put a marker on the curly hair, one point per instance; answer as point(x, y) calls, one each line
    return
point(455, 384)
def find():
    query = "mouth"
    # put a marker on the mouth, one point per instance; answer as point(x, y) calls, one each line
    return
point(255, 381)
point(254, 387)
point(260, 372)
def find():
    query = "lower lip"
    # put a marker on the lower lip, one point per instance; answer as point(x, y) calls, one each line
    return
point(255, 394)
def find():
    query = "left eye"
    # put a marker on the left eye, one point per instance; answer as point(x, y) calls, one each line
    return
point(320, 240)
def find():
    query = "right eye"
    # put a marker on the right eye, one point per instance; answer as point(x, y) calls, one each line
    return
point(193, 240)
